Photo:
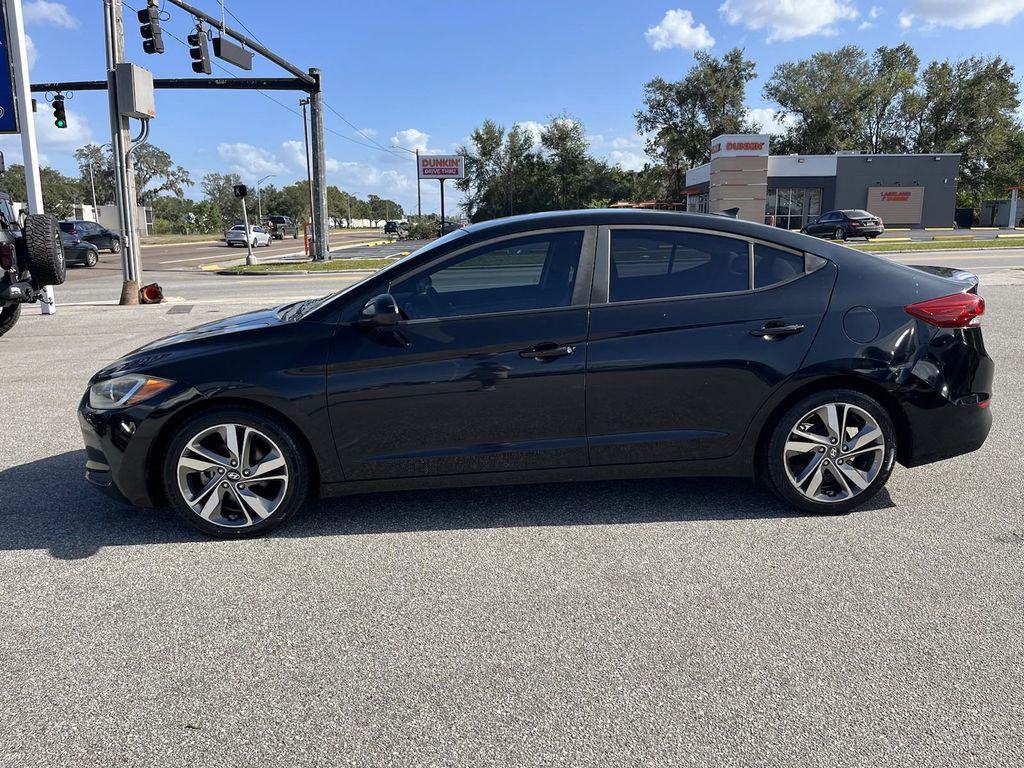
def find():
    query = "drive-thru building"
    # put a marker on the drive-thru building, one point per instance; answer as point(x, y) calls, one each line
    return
point(790, 190)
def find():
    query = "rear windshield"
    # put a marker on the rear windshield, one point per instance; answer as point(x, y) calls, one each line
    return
point(278, 219)
point(67, 226)
point(859, 214)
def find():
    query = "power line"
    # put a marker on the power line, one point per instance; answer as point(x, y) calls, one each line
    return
point(360, 132)
point(267, 95)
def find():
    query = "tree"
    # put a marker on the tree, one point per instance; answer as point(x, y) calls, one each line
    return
point(893, 79)
point(565, 149)
point(829, 95)
point(60, 193)
point(680, 118)
point(218, 188)
point(968, 106)
point(155, 173)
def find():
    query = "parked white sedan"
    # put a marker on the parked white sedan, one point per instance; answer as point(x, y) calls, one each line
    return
point(257, 236)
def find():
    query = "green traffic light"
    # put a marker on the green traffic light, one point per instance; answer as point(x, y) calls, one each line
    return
point(61, 123)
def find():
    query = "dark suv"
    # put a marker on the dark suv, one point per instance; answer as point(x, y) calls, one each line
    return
point(279, 226)
point(840, 225)
point(31, 257)
point(91, 232)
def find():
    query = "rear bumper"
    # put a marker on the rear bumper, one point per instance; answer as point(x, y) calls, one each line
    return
point(939, 429)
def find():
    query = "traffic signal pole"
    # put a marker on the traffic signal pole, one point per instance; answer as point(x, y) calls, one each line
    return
point(124, 166)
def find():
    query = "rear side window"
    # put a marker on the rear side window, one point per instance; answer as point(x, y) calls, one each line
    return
point(660, 264)
point(67, 226)
point(772, 265)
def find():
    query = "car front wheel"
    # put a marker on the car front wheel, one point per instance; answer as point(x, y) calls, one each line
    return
point(115, 245)
point(235, 473)
point(831, 452)
point(91, 259)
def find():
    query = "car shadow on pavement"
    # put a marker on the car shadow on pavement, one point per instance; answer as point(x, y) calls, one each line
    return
point(47, 504)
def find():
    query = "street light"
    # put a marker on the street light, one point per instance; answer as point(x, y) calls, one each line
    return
point(419, 204)
point(259, 195)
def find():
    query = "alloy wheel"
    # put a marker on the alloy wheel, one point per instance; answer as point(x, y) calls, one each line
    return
point(834, 452)
point(232, 475)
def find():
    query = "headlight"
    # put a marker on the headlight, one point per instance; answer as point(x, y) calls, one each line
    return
point(125, 391)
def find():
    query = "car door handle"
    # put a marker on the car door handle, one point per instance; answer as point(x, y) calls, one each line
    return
point(776, 329)
point(547, 351)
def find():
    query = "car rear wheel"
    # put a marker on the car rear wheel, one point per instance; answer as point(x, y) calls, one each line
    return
point(235, 473)
point(831, 452)
point(8, 317)
point(44, 250)
point(839, 234)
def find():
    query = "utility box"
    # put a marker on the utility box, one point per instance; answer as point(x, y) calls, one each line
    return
point(135, 96)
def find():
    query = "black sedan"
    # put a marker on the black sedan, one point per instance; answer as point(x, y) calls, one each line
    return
point(840, 225)
point(78, 251)
point(562, 346)
point(103, 238)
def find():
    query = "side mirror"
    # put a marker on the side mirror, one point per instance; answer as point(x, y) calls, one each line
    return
point(380, 311)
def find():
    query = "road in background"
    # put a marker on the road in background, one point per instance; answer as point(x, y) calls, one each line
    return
point(158, 259)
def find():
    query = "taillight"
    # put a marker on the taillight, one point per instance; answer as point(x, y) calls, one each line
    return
point(854, 223)
point(961, 310)
point(6, 256)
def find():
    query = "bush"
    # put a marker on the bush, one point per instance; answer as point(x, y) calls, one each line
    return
point(425, 229)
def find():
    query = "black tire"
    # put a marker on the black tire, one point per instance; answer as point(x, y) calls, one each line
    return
point(92, 259)
point(839, 234)
point(115, 246)
point(773, 461)
point(296, 463)
point(44, 249)
point(8, 317)
point(295, 235)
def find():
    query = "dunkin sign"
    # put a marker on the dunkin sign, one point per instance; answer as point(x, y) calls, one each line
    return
point(739, 145)
point(442, 166)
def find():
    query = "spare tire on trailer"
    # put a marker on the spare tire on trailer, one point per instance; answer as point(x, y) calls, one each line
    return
point(44, 250)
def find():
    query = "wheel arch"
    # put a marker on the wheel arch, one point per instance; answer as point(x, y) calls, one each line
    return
point(859, 384)
point(158, 451)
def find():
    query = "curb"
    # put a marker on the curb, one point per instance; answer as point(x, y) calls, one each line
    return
point(279, 273)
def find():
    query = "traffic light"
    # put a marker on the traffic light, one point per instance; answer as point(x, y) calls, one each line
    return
point(199, 50)
point(240, 190)
point(152, 37)
point(60, 118)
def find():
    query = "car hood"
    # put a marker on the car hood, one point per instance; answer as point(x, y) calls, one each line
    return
point(184, 342)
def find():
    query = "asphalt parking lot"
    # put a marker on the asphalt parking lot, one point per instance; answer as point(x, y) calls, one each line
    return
point(631, 623)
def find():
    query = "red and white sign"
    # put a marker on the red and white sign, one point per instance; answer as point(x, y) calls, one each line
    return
point(442, 166)
point(739, 145)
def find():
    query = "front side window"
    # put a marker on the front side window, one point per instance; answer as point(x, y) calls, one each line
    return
point(521, 274)
point(662, 264)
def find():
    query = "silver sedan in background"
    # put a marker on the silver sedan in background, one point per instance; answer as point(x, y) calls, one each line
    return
point(257, 236)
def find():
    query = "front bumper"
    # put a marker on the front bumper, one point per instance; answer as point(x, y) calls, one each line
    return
point(121, 446)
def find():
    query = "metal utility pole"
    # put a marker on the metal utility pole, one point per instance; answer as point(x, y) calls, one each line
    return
point(124, 166)
point(92, 183)
point(34, 187)
point(321, 237)
point(259, 195)
point(309, 167)
point(249, 260)
point(419, 200)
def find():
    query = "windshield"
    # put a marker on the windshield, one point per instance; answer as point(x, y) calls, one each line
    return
point(312, 304)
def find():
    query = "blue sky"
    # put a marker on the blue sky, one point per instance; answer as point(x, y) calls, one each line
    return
point(425, 74)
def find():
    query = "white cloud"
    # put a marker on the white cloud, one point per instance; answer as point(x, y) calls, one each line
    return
point(627, 160)
point(788, 19)
point(959, 14)
point(765, 117)
point(53, 143)
point(678, 30)
point(31, 51)
point(371, 132)
point(295, 153)
point(875, 12)
point(250, 162)
point(46, 12)
point(533, 128)
point(411, 138)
